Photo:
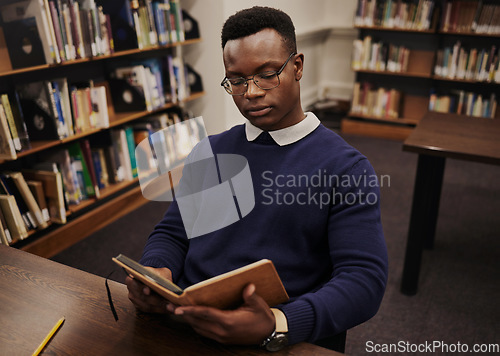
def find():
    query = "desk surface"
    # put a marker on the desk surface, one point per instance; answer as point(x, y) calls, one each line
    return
point(35, 293)
point(455, 136)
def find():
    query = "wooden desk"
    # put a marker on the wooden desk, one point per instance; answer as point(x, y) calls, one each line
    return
point(437, 137)
point(35, 293)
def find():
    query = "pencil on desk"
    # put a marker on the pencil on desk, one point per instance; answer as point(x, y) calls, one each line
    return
point(48, 337)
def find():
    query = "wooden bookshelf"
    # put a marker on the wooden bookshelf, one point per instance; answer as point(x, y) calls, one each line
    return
point(419, 80)
point(113, 201)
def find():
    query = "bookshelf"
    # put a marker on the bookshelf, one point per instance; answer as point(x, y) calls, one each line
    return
point(412, 57)
point(117, 197)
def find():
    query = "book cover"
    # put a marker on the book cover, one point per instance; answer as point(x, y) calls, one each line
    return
point(7, 149)
point(5, 229)
point(89, 162)
point(9, 187)
point(23, 43)
point(27, 9)
point(223, 291)
point(129, 133)
point(72, 189)
point(29, 199)
point(13, 217)
point(36, 189)
point(82, 169)
point(38, 112)
point(10, 121)
point(53, 190)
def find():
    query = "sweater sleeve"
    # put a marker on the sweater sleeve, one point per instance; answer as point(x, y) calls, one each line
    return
point(359, 259)
point(167, 244)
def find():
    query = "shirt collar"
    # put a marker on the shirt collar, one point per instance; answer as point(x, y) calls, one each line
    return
point(288, 135)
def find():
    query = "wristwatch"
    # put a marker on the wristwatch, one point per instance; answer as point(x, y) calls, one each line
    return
point(279, 338)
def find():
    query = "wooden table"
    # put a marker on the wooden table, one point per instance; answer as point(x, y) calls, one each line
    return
point(437, 137)
point(35, 293)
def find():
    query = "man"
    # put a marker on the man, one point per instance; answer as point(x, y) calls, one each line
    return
point(316, 213)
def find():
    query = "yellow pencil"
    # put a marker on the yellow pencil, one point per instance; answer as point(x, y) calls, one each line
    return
point(48, 337)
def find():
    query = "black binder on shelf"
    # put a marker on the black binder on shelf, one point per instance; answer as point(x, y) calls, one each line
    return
point(194, 80)
point(23, 43)
point(125, 96)
point(191, 28)
point(122, 24)
point(35, 102)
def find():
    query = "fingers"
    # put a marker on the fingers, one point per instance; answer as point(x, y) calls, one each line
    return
point(143, 298)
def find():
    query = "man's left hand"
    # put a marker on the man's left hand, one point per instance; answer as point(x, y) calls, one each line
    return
point(250, 324)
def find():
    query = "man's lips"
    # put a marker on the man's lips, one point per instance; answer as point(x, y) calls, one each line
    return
point(259, 111)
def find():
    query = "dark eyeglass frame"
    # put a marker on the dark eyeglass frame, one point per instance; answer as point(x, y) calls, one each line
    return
point(226, 84)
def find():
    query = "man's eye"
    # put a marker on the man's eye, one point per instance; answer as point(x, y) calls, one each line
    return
point(267, 75)
point(238, 81)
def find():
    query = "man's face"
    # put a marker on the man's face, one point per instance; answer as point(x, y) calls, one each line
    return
point(272, 109)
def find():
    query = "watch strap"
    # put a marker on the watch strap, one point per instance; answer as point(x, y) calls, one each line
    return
point(281, 322)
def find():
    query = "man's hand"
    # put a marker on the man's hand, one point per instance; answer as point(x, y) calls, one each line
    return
point(143, 297)
point(250, 324)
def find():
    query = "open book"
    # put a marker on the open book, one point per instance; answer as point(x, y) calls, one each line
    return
point(224, 291)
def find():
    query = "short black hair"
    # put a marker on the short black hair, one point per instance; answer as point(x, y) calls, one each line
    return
point(250, 21)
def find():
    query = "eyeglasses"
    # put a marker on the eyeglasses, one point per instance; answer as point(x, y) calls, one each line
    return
point(265, 80)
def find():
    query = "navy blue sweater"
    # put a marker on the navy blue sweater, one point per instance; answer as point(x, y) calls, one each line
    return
point(316, 216)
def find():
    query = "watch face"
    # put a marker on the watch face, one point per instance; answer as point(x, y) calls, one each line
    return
point(278, 342)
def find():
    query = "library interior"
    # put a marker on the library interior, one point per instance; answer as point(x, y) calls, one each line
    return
point(380, 131)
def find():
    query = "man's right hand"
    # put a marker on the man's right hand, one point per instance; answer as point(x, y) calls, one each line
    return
point(143, 297)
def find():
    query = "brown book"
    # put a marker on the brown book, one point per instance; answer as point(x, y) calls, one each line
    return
point(5, 230)
point(3, 236)
point(53, 190)
point(223, 291)
point(7, 149)
point(29, 199)
point(36, 188)
point(13, 217)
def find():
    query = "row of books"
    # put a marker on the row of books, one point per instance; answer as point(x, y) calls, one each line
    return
point(404, 14)
point(29, 200)
point(65, 30)
point(81, 170)
point(152, 82)
point(465, 103)
point(368, 100)
point(471, 64)
point(379, 56)
point(157, 22)
point(471, 16)
point(49, 110)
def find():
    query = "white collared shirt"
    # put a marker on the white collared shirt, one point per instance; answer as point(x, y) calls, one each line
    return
point(288, 135)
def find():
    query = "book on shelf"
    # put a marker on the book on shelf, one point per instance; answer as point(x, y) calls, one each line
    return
point(368, 100)
point(475, 64)
point(471, 16)
point(379, 56)
point(29, 199)
point(224, 291)
point(7, 148)
point(5, 235)
point(62, 161)
point(9, 187)
point(464, 103)
point(14, 122)
point(36, 188)
point(24, 44)
point(100, 167)
point(414, 15)
point(13, 218)
point(83, 168)
point(4, 240)
point(53, 191)
point(39, 111)
point(122, 154)
point(27, 9)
